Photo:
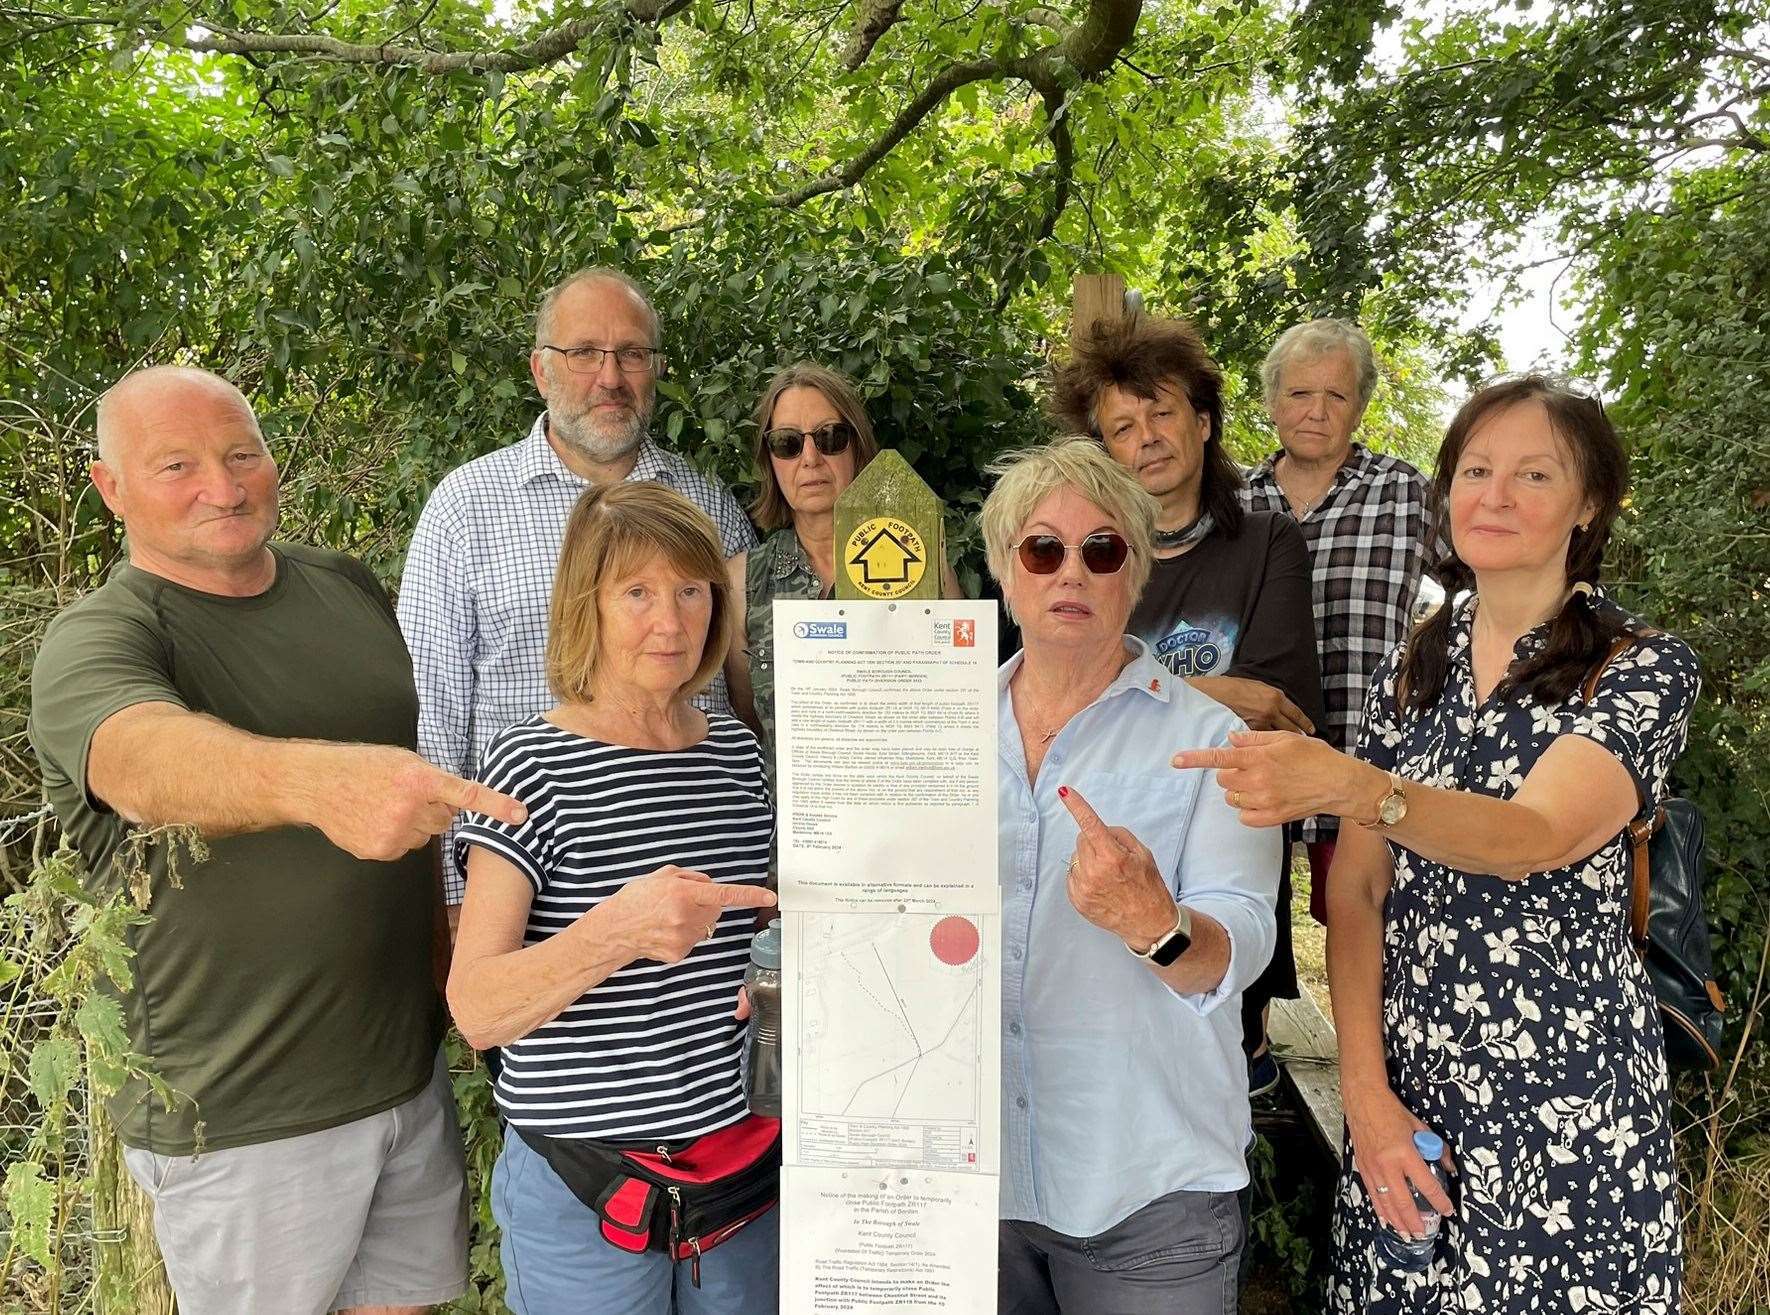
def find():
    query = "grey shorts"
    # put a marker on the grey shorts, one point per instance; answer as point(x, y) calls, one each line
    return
point(370, 1213)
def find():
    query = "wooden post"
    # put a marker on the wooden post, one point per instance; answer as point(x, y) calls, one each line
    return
point(889, 539)
point(128, 1278)
point(1095, 298)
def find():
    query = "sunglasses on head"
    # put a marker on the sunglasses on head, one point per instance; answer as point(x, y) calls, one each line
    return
point(787, 442)
point(1103, 553)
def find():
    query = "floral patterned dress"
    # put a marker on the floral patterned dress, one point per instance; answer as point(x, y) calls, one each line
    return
point(1517, 1020)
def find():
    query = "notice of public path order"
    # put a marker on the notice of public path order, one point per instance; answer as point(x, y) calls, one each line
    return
point(886, 744)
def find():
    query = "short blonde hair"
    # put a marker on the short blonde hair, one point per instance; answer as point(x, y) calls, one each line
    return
point(769, 508)
point(612, 531)
point(1313, 340)
point(1028, 477)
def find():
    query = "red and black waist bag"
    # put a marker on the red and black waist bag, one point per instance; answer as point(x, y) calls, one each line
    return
point(682, 1198)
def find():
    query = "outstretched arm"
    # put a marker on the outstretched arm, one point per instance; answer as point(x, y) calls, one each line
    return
point(158, 763)
point(1575, 799)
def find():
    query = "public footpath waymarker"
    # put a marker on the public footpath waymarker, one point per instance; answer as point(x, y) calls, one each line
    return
point(890, 542)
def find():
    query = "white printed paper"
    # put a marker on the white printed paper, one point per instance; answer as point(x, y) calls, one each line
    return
point(884, 1241)
point(885, 737)
point(892, 1040)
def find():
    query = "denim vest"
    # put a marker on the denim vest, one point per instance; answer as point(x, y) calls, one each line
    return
point(778, 569)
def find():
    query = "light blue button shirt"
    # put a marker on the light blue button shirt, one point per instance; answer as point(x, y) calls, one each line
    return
point(1115, 1090)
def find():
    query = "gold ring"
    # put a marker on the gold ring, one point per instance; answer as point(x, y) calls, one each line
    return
point(1381, 1188)
point(1234, 798)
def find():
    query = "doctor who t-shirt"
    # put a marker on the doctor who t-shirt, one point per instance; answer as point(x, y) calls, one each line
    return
point(1237, 607)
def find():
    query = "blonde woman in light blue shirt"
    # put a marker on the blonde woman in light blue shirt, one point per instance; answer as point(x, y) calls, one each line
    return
point(1135, 910)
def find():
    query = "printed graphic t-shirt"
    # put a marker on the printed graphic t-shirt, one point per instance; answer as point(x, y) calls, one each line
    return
point(1237, 607)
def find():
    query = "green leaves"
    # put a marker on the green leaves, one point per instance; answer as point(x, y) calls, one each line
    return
point(30, 1204)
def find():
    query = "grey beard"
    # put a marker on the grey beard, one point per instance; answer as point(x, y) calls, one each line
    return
point(601, 446)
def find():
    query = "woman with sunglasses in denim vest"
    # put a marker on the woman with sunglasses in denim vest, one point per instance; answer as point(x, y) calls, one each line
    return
point(812, 438)
point(1134, 914)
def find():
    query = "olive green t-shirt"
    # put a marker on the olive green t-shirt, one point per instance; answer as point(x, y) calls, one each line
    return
point(286, 987)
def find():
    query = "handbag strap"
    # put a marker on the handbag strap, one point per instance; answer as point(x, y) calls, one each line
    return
point(1640, 902)
point(1590, 688)
point(1640, 830)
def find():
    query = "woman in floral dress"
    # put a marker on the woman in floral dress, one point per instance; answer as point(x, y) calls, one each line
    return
point(1483, 980)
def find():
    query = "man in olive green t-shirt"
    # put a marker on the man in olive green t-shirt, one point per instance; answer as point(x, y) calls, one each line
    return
point(262, 693)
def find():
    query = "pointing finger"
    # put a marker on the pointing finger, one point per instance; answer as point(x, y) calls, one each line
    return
point(1254, 739)
point(742, 897)
point(1083, 812)
point(1210, 759)
point(471, 797)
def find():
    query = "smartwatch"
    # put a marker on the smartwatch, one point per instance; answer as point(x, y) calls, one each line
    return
point(1171, 945)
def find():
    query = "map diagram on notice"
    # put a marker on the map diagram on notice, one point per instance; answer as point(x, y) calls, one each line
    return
point(892, 1020)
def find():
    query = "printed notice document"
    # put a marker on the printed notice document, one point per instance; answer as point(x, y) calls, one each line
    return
point(891, 1044)
point(885, 744)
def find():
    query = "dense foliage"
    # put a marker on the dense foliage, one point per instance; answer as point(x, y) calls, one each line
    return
point(352, 210)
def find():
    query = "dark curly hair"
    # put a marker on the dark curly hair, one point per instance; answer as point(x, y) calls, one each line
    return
point(1580, 635)
point(1139, 354)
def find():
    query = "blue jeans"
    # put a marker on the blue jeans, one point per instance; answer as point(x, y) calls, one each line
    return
point(557, 1263)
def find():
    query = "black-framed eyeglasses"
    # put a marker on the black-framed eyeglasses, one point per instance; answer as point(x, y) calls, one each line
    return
point(588, 360)
point(1103, 553)
point(787, 443)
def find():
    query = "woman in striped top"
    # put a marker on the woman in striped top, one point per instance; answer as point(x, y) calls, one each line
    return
point(603, 941)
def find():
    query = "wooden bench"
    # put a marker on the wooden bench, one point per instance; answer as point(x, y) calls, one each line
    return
point(1309, 1054)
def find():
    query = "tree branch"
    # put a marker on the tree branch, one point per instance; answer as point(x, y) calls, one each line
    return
point(875, 19)
point(1087, 51)
point(548, 48)
point(933, 95)
point(1046, 18)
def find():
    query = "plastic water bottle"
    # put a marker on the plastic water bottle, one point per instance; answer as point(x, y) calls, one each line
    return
point(1407, 1254)
point(762, 1073)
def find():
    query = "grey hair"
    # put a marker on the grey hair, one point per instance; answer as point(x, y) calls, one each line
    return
point(1311, 342)
point(588, 274)
point(1028, 477)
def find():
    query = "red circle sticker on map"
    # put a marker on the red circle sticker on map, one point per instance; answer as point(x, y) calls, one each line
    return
point(954, 941)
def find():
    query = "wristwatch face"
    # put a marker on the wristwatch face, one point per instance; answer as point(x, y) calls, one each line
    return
point(1393, 808)
point(1176, 944)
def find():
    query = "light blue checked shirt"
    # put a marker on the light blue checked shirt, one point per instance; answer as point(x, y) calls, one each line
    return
point(478, 582)
point(1115, 1090)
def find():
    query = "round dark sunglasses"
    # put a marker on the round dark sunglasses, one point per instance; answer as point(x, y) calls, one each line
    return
point(787, 443)
point(1102, 553)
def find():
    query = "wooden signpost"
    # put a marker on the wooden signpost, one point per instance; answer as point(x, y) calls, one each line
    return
point(890, 543)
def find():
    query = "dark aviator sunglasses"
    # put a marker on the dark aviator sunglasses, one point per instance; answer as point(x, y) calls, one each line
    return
point(787, 443)
point(1103, 553)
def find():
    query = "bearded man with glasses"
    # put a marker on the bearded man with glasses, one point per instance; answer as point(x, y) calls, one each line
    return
point(479, 574)
point(1133, 917)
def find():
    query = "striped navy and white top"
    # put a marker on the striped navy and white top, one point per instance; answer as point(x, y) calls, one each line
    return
point(652, 1052)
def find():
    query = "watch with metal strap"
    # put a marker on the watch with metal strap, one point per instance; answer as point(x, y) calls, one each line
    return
point(1392, 807)
point(1171, 945)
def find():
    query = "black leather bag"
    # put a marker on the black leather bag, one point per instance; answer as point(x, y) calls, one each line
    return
point(1667, 923)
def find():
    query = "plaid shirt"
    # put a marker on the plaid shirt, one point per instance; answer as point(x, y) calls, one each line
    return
point(1367, 549)
point(478, 582)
